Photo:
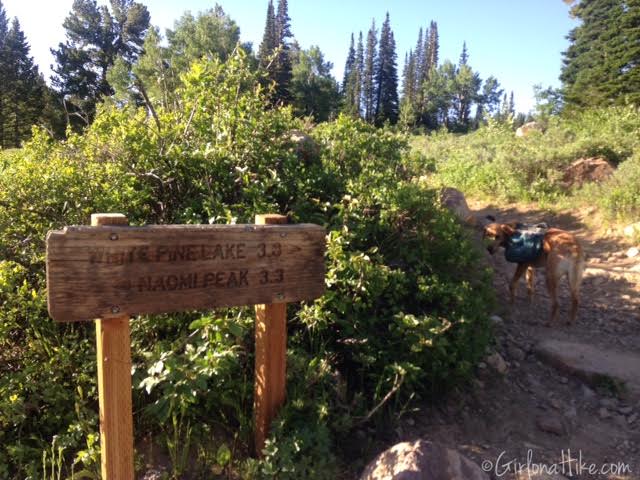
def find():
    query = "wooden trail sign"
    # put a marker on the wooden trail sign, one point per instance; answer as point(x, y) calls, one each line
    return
point(110, 271)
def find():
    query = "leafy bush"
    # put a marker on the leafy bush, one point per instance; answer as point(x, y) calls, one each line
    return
point(620, 196)
point(404, 315)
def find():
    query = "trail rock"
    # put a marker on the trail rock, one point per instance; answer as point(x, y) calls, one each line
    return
point(550, 424)
point(586, 170)
point(592, 364)
point(633, 252)
point(497, 363)
point(517, 353)
point(154, 474)
point(306, 147)
point(632, 230)
point(422, 460)
point(528, 128)
point(555, 403)
point(604, 413)
point(587, 392)
point(454, 201)
point(620, 420)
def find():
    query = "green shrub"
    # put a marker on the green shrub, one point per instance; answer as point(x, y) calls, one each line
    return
point(404, 315)
point(397, 300)
point(620, 195)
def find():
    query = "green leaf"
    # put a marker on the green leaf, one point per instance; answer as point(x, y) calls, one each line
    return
point(223, 457)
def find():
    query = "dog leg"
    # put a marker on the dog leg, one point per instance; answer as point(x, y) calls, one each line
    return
point(520, 269)
point(575, 277)
point(552, 287)
point(574, 308)
point(530, 276)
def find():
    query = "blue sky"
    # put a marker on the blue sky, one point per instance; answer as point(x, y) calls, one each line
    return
point(518, 41)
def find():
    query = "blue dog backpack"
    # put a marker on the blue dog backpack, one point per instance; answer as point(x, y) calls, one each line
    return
point(525, 245)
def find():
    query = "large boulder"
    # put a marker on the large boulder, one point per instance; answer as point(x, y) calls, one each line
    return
point(586, 170)
point(454, 200)
point(632, 230)
point(422, 460)
point(593, 365)
point(528, 128)
point(306, 147)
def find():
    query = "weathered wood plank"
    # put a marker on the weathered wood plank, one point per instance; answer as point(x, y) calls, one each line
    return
point(105, 272)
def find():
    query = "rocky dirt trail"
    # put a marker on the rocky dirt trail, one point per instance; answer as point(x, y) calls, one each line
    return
point(561, 400)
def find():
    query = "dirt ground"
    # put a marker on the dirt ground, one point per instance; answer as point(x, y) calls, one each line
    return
point(534, 415)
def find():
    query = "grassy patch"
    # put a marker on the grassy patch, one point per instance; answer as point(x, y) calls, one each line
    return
point(493, 163)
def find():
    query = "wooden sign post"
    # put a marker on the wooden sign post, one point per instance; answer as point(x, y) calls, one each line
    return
point(113, 348)
point(111, 271)
point(271, 358)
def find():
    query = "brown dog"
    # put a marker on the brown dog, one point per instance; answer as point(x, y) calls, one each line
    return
point(561, 255)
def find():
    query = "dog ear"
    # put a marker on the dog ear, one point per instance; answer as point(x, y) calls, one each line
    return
point(483, 222)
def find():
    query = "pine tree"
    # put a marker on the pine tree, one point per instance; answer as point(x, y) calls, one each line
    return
point(351, 82)
point(504, 108)
point(369, 85)
point(4, 23)
point(464, 56)
point(22, 92)
point(409, 78)
point(283, 23)
point(419, 59)
point(507, 109)
point(386, 107)
point(4, 94)
point(434, 45)
point(425, 65)
point(512, 105)
point(428, 63)
point(419, 71)
point(466, 91)
point(601, 65)
point(283, 61)
point(24, 84)
point(25, 98)
point(359, 76)
point(96, 37)
point(407, 113)
point(349, 65)
point(269, 38)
